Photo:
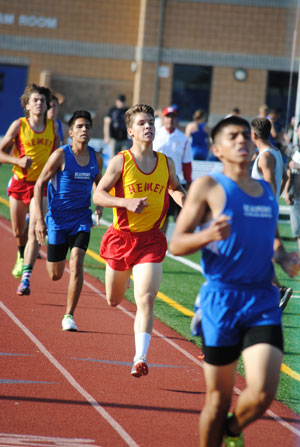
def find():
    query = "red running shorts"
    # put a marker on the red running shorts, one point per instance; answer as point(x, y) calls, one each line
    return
point(22, 190)
point(122, 250)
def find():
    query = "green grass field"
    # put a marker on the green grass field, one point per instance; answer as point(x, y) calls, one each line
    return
point(181, 283)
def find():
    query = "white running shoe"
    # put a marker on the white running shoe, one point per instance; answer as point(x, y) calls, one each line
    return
point(68, 323)
point(139, 367)
point(196, 323)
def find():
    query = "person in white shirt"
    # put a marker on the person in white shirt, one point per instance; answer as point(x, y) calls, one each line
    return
point(173, 143)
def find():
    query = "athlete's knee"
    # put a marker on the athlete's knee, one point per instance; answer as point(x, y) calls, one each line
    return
point(55, 276)
point(261, 400)
point(113, 300)
point(76, 265)
point(218, 402)
point(76, 272)
point(18, 232)
point(113, 296)
point(146, 300)
point(32, 239)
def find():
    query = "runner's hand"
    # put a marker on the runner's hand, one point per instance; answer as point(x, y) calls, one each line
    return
point(136, 205)
point(40, 231)
point(24, 162)
point(220, 228)
point(98, 213)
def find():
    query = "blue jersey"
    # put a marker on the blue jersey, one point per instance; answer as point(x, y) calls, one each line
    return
point(199, 143)
point(245, 257)
point(69, 191)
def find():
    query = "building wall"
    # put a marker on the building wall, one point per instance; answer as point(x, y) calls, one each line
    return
point(96, 49)
point(227, 93)
point(227, 28)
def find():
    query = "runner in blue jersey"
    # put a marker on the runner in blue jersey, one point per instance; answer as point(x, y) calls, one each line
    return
point(62, 128)
point(268, 165)
point(239, 306)
point(72, 172)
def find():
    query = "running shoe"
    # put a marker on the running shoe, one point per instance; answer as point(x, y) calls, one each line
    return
point(196, 323)
point(196, 320)
point(197, 302)
point(285, 295)
point(24, 288)
point(139, 367)
point(68, 323)
point(234, 441)
point(18, 268)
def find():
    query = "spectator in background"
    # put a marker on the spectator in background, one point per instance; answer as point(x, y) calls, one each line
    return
point(115, 132)
point(235, 112)
point(262, 111)
point(62, 129)
point(174, 144)
point(275, 136)
point(288, 135)
point(198, 133)
point(292, 190)
point(158, 121)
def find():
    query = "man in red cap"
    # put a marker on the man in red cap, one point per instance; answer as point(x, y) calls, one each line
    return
point(173, 143)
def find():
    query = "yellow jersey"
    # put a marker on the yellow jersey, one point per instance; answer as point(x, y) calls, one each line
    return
point(37, 145)
point(136, 184)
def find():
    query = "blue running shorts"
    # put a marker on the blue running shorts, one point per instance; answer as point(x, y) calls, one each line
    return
point(228, 311)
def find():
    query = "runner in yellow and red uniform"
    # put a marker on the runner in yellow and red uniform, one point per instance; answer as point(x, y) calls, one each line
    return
point(33, 138)
point(136, 185)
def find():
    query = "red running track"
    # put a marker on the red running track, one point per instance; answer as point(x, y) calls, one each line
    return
point(75, 389)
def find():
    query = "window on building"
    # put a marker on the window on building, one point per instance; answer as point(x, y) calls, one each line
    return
point(278, 93)
point(191, 89)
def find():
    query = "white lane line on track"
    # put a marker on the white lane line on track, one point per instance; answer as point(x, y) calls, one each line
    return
point(103, 413)
point(185, 353)
point(11, 439)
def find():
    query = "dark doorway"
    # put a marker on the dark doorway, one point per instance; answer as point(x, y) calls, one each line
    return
point(13, 80)
point(278, 94)
point(191, 89)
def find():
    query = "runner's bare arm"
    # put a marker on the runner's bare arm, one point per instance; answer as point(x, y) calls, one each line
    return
point(102, 194)
point(176, 191)
point(266, 164)
point(98, 209)
point(6, 146)
point(55, 163)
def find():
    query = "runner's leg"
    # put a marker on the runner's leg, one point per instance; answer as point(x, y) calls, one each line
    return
point(262, 370)
point(219, 382)
point(116, 284)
